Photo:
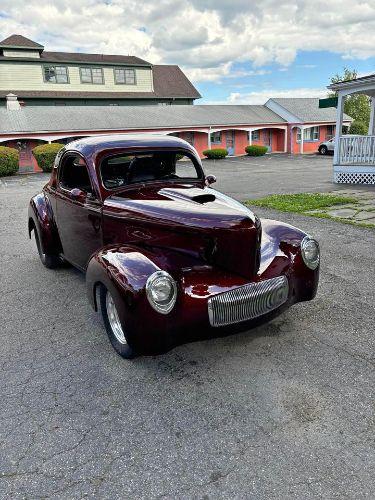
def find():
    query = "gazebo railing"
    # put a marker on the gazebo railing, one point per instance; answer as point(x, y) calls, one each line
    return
point(357, 150)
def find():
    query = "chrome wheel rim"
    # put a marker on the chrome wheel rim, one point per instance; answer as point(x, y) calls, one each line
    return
point(114, 320)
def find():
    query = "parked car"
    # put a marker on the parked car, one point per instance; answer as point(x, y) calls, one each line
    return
point(327, 147)
point(167, 258)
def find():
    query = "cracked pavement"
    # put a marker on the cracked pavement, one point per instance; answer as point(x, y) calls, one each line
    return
point(283, 411)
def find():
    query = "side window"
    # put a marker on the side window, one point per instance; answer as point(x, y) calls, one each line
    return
point(74, 174)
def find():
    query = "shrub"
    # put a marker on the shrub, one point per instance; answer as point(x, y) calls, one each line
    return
point(215, 154)
point(9, 158)
point(256, 150)
point(45, 155)
point(358, 127)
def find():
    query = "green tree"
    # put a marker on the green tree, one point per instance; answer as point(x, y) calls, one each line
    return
point(357, 106)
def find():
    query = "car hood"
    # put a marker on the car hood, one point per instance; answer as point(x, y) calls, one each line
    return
point(199, 221)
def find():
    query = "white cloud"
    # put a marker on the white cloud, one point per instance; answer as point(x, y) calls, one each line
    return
point(205, 37)
point(260, 97)
point(307, 66)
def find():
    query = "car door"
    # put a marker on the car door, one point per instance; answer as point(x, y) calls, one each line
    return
point(78, 211)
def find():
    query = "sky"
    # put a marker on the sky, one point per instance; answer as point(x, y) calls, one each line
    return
point(234, 51)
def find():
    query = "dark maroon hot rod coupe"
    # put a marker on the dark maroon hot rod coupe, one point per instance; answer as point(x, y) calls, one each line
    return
point(167, 258)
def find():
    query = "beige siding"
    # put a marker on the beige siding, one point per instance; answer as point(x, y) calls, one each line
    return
point(30, 77)
point(21, 53)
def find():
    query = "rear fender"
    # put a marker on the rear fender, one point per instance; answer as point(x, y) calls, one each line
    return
point(41, 219)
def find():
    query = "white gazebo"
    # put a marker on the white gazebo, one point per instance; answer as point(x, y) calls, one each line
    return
point(354, 157)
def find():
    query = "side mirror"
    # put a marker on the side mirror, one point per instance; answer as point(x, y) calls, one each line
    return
point(76, 193)
point(210, 179)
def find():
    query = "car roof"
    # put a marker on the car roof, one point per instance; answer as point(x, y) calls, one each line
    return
point(97, 144)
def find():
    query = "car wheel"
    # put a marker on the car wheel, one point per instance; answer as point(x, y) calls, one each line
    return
point(323, 150)
point(115, 330)
point(48, 260)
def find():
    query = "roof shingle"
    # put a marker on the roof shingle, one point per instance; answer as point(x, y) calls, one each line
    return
point(107, 118)
point(307, 109)
point(170, 81)
point(20, 41)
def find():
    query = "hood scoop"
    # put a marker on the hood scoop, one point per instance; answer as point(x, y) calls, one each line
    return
point(197, 195)
point(204, 198)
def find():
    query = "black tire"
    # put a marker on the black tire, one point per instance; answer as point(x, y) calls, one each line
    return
point(122, 348)
point(48, 260)
point(323, 150)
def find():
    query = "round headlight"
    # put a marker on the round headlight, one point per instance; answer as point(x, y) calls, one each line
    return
point(161, 291)
point(310, 252)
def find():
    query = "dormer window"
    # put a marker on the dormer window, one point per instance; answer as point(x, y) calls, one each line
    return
point(55, 74)
point(92, 75)
point(124, 76)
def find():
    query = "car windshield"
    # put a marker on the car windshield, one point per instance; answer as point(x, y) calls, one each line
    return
point(121, 170)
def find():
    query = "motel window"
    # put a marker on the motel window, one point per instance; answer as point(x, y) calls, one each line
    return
point(124, 76)
point(330, 132)
point(55, 74)
point(216, 137)
point(309, 134)
point(92, 75)
point(254, 135)
point(189, 137)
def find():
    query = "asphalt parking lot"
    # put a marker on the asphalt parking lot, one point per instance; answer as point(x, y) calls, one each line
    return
point(278, 173)
point(283, 411)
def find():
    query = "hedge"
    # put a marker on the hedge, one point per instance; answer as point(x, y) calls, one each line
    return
point(9, 159)
point(256, 150)
point(358, 128)
point(216, 154)
point(45, 155)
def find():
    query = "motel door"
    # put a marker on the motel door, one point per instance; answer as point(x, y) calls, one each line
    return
point(267, 138)
point(230, 142)
point(26, 156)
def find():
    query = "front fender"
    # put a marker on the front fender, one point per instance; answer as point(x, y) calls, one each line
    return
point(40, 218)
point(126, 267)
point(280, 253)
point(124, 271)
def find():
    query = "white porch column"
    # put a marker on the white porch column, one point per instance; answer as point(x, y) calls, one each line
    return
point(285, 140)
point(371, 126)
point(250, 137)
point(292, 139)
point(209, 138)
point(301, 143)
point(338, 132)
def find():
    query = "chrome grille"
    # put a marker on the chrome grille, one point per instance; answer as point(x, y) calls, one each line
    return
point(248, 301)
